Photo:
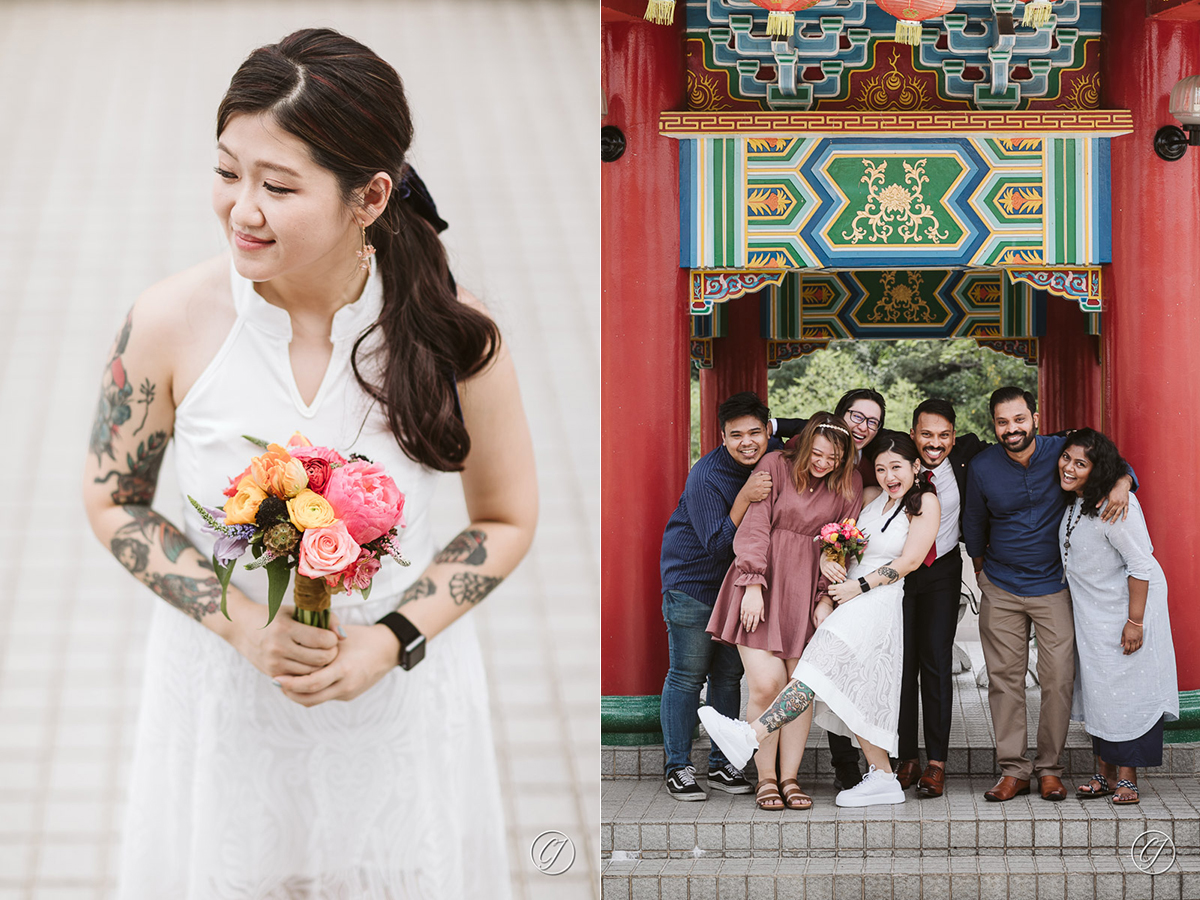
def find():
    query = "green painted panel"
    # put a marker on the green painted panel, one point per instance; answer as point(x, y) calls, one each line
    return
point(894, 201)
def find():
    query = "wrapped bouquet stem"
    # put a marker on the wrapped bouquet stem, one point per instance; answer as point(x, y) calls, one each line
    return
point(312, 599)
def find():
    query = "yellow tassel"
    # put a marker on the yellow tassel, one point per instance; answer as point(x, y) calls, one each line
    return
point(908, 32)
point(1037, 13)
point(661, 12)
point(780, 23)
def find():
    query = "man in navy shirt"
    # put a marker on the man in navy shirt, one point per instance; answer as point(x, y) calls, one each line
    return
point(1010, 525)
point(697, 551)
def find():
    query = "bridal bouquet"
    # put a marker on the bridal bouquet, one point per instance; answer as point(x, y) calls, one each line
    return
point(841, 540)
point(310, 509)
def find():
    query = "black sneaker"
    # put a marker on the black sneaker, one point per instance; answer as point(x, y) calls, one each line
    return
point(729, 780)
point(846, 776)
point(681, 784)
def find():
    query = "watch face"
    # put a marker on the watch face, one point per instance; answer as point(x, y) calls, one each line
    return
point(413, 653)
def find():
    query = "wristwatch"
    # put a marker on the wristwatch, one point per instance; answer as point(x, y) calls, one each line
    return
point(412, 642)
point(864, 584)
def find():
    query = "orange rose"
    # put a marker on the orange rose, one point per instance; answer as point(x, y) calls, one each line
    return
point(277, 473)
point(242, 507)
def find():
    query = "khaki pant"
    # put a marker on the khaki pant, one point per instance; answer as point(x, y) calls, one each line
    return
point(1004, 621)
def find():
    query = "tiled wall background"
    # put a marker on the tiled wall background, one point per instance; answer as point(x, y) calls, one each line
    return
point(106, 112)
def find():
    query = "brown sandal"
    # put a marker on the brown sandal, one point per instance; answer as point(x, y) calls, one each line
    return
point(793, 797)
point(767, 792)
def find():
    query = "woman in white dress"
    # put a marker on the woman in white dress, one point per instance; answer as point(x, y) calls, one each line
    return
point(849, 673)
point(334, 314)
point(1125, 679)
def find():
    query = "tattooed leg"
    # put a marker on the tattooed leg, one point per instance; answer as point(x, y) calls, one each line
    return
point(793, 701)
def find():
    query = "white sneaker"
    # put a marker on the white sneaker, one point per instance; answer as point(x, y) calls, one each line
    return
point(735, 737)
point(875, 788)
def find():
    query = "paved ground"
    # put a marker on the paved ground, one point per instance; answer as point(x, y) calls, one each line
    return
point(107, 110)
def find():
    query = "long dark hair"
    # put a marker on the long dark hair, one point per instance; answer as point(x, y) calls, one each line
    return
point(1107, 466)
point(799, 452)
point(902, 445)
point(348, 106)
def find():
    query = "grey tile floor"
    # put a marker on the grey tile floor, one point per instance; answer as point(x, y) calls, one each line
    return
point(107, 110)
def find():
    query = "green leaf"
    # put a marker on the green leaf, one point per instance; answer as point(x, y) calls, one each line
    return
point(279, 574)
point(255, 547)
point(263, 559)
point(224, 573)
point(208, 517)
point(257, 442)
point(366, 592)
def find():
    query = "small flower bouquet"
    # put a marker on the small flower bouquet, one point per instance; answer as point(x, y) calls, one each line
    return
point(841, 540)
point(310, 509)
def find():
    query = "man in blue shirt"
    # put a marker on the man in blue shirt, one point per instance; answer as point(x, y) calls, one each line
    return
point(697, 551)
point(1010, 525)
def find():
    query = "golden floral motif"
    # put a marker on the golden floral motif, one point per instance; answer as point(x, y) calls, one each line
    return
point(892, 203)
point(1021, 144)
point(769, 261)
point(1085, 93)
point(769, 202)
point(901, 302)
point(1012, 256)
point(767, 145)
point(1021, 201)
point(892, 90)
point(703, 93)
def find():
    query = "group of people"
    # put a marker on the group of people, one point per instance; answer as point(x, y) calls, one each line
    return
point(1058, 542)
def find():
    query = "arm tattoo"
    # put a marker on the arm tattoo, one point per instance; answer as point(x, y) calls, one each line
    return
point(890, 575)
point(198, 597)
point(138, 483)
point(467, 587)
point(466, 548)
point(149, 525)
point(423, 588)
point(115, 390)
point(792, 701)
point(147, 391)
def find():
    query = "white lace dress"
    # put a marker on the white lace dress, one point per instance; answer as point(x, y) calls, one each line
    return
point(236, 791)
point(855, 659)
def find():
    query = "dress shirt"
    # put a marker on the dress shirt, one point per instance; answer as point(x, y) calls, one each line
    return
point(947, 494)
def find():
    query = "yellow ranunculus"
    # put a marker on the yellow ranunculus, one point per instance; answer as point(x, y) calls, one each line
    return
point(242, 507)
point(308, 509)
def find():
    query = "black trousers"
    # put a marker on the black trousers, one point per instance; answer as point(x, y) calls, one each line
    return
point(931, 600)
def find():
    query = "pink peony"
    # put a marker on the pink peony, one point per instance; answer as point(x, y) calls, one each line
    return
point(327, 551)
point(366, 499)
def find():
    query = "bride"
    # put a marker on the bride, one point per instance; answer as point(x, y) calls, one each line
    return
point(849, 674)
point(333, 313)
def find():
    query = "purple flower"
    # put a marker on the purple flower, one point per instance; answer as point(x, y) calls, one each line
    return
point(233, 544)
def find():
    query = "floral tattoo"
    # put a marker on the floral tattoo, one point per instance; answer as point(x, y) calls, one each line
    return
point(792, 701)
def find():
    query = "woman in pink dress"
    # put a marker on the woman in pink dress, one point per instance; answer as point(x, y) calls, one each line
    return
point(767, 601)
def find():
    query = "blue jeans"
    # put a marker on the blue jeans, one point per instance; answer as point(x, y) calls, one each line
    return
point(695, 657)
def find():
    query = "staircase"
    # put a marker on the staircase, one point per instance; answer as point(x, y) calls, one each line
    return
point(957, 846)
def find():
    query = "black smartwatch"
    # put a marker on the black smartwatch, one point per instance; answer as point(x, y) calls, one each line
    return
point(864, 584)
point(412, 642)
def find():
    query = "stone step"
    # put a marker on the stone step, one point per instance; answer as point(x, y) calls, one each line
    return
point(1113, 877)
point(639, 817)
point(979, 758)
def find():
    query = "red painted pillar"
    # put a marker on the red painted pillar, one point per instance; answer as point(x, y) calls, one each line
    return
point(739, 364)
point(1070, 388)
point(645, 362)
point(1152, 324)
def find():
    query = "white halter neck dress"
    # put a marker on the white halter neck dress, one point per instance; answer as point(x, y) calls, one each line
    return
point(236, 791)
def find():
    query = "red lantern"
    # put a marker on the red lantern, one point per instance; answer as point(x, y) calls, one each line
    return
point(782, 18)
point(910, 14)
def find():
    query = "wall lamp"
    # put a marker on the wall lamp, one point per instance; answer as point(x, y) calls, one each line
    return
point(1171, 142)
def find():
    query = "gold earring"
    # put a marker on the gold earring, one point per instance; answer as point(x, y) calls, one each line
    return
point(367, 250)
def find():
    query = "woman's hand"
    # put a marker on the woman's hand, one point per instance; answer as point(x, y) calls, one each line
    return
point(752, 607)
point(822, 610)
point(365, 655)
point(847, 590)
point(285, 647)
point(835, 572)
point(1131, 638)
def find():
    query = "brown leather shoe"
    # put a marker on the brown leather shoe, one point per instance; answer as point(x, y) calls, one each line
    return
point(1052, 788)
point(932, 782)
point(907, 771)
point(1007, 788)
